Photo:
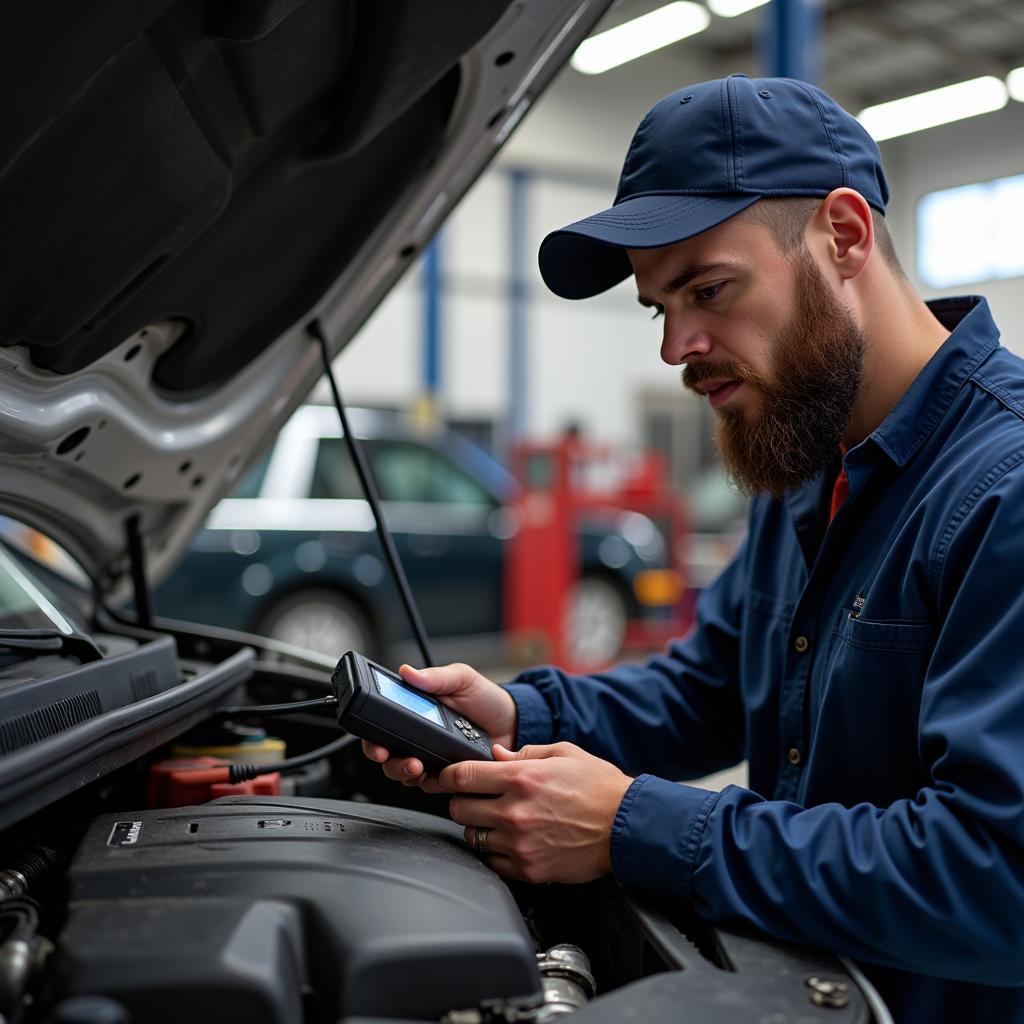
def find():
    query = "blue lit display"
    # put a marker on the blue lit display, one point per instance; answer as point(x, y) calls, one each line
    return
point(395, 691)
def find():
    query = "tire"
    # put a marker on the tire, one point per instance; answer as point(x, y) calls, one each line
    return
point(597, 622)
point(319, 620)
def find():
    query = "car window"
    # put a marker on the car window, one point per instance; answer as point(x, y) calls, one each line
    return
point(411, 472)
point(249, 485)
point(334, 476)
point(402, 471)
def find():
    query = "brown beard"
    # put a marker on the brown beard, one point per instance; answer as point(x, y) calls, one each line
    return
point(817, 360)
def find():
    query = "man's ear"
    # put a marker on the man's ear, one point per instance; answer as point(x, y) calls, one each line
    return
point(843, 223)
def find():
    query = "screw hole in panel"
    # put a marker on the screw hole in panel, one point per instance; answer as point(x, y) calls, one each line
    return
point(73, 440)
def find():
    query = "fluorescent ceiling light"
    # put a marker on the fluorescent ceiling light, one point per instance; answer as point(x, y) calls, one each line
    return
point(1015, 83)
point(938, 106)
point(640, 36)
point(730, 8)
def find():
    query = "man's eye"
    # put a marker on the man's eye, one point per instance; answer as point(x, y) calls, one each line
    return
point(709, 292)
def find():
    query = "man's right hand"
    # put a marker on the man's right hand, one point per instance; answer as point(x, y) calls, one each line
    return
point(464, 690)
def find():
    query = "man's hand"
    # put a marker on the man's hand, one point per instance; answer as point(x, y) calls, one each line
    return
point(462, 689)
point(551, 815)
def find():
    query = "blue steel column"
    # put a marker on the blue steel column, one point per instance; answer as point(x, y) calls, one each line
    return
point(432, 320)
point(517, 294)
point(791, 39)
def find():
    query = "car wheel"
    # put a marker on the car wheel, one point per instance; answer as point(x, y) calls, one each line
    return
point(319, 620)
point(597, 621)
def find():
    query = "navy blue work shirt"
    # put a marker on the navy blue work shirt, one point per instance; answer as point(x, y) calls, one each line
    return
point(871, 671)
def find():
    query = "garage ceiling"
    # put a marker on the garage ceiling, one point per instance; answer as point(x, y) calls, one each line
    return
point(874, 50)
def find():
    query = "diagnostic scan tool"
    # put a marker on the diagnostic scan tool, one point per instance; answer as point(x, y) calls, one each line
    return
point(378, 705)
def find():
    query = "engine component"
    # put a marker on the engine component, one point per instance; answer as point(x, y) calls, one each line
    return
point(568, 981)
point(180, 782)
point(22, 952)
point(12, 884)
point(235, 742)
point(18, 878)
point(257, 902)
point(15, 968)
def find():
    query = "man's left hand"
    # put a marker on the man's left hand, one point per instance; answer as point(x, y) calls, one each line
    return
point(550, 819)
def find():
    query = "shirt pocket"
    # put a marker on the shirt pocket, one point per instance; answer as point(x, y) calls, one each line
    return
point(867, 702)
point(896, 636)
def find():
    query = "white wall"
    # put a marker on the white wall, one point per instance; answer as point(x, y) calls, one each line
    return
point(586, 121)
point(384, 363)
point(585, 361)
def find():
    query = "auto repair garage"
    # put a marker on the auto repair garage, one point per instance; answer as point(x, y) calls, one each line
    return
point(614, 409)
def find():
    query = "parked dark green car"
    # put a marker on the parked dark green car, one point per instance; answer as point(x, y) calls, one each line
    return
point(293, 553)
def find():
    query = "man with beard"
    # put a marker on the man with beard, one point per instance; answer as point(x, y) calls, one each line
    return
point(863, 650)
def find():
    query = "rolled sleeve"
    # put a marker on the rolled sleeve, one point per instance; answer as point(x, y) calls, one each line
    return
point(656, 834)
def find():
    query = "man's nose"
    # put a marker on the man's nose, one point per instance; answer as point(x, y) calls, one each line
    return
point(682, 342)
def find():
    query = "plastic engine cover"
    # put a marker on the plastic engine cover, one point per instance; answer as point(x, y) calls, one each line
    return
point(279, 909)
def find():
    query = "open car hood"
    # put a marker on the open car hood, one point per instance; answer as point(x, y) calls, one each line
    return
point(184, 185)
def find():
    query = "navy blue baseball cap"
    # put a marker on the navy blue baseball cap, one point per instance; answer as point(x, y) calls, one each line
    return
point(704, 154)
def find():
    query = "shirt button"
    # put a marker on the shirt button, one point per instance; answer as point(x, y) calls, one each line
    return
point(794, 755)
point(801, 643)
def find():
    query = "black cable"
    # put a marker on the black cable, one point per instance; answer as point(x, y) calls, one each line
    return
point(137, 558)
point(292, 708)
point(315, 330)
point(245, 772)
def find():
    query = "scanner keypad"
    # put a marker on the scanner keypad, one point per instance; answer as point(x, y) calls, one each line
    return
point(467, 730)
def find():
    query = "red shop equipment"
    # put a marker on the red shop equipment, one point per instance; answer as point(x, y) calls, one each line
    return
point(562, 483)
point(542, 562)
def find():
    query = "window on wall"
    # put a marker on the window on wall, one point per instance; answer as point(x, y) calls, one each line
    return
point(971, 233)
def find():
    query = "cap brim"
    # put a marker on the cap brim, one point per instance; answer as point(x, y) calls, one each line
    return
point(588, 257)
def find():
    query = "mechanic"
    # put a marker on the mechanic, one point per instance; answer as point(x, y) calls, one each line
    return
point(864, 650)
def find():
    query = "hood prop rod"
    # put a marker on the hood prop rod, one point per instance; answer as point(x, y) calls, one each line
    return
point(137, 556)
point(316, 331)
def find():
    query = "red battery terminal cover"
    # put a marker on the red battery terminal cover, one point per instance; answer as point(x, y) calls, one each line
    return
point(195, 780)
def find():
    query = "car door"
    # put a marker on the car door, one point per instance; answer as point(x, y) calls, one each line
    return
point(442, 521)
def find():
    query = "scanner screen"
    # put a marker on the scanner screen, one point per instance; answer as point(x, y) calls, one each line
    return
point(395, 691)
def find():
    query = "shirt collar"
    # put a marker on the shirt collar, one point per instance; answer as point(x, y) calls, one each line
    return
point(974, 337)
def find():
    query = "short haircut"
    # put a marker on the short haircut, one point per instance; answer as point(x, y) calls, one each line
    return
point(787, 216)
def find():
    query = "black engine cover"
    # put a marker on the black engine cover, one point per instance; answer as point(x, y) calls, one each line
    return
point(281, 909)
